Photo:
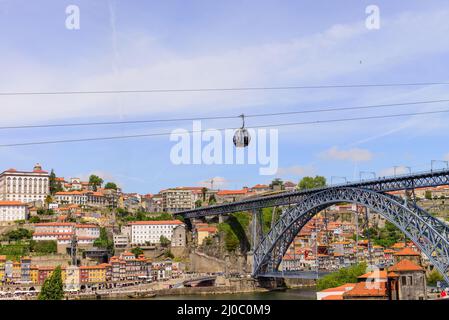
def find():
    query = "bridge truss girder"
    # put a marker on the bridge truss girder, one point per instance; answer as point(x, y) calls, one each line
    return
point(405, 182)
point(428, 233)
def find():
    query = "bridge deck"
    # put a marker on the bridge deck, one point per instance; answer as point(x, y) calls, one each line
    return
point(294, 274)
point(425, 179)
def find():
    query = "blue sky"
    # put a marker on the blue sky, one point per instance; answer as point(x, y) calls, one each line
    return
point(197, 44)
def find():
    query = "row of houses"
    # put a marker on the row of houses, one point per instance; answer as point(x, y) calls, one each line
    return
point(64, 232)
point(404, 280)
point(123, 268)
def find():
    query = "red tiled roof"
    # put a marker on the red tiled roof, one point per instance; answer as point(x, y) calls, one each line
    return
point(12, 203)
point(54, 224)
point(407, 251)
point(231, 192)
point(367, 289)
point(405, 265)
point(170, 222)
point(333, 297)
point(343, 287)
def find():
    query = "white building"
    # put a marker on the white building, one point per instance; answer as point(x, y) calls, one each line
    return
point(70, 197)
point(151, 231)
point(13, 211)
point(24, 186)
point(120, 240)
point(62, 232)
point(177, 199)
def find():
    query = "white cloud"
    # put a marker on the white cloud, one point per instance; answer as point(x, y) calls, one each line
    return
point(296, 171)
point(217, 183)
point(318, 58)
point(392, 171)
point(354, 154)
point(446, 157)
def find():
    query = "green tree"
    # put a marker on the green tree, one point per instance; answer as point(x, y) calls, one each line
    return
point(212, 199)
point(234, 231)
point(18, 234)
point(95, 181)
point(53, 287)
point(198, 203)
point(111, 185)
point(428, 195)
point(164, 241)
point(277, 184)
point(342, 276)
point(35, 219)
point(103, 241)
point(48, 200)
point(137, 251)
point(169, 254)
point(312, 182)
point(433, 277)
point(204, 192)
point(44, 247)
point(54, 186)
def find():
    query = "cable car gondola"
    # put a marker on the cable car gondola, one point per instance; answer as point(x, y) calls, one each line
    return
point(241, 136)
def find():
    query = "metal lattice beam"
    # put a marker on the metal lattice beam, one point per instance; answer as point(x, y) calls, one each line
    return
point(428, 233)
point(405, 182)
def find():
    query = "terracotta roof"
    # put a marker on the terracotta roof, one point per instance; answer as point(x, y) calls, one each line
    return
point(12, 203)
point(86, 226)
point(159, 222)
point(231, 192)
point(260, 186)
point(69, 193)
point(407, 251)
point(365, 289)
point(382, 274)
point(405, 265)
point(398, 245)
point(207, 229)
point(333, 297)
point(54, 224)
point(343, 287)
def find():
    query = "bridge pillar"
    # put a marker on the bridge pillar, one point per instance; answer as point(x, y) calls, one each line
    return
point(257, 227)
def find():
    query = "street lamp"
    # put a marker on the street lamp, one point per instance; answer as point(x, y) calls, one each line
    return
point(440, 161)
point(409, 169)
point(367, 172)
point(337, 177)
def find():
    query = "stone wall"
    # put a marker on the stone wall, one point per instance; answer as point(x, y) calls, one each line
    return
point(200, 262)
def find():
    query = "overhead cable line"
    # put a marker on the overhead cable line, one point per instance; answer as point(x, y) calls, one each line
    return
point(222, 129)
point(368, 85)
point(329, 109)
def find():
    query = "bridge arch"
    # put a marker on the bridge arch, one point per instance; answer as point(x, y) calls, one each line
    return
point(427, 233)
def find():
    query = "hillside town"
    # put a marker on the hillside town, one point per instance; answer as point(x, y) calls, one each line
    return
point(105, 239)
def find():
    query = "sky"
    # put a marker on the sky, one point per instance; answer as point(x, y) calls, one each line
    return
point(133, 45)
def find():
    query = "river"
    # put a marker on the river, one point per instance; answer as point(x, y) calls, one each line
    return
point(290, 294)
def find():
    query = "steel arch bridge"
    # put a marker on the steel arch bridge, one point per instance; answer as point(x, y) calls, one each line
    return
point(427, 232)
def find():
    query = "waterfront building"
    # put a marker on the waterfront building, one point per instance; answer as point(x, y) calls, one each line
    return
point(177, 199)
point(121, 241)
point(24, 186)
point(410, 281)
point(72, 280)
point(232, 195)
point(143, 232)
point(2, 268)
point(71, 197)
point(202, 232)
point(92, 274)
point(25, 266)
point(13, 211)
